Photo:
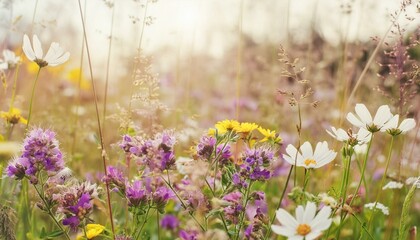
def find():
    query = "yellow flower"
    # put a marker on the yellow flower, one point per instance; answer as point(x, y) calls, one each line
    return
point(93, 230)
point(246, 127)
point(13, 116)
point(269, 135)
point(226, 125)
point(75, 75)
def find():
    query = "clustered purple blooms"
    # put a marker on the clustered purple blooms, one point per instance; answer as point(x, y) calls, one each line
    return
point(76, 203)
point(235, 207)
point(161, 197)
point(136, 194)
point(255, 163)
point(115, 178)
point(169, 222)
point(156, 153)
point(188, 234)
point(206, 146)
point(40, 153)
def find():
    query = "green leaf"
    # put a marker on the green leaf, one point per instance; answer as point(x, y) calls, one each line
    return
point(402, 232)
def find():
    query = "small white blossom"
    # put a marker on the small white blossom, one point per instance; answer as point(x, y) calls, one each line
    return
point(10, 60)
point(55, 55)
point(392, 127)
point(363, 136)
point(379, 206)
point(413, 180)
point(307, 225)
point(308, 158)
point(328, 200)
point(393, 185)
point(364, 118)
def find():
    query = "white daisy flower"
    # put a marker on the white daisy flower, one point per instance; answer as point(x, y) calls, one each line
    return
point(392, 127)
point(393, 185)
point(363, 136)
point(10, 60)
point(307, 158)
point(55, 55)
point(379, 206)
point(307, 224)
point(364, 119)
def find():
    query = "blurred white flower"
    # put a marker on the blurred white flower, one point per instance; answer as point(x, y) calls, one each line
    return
point(379, 206)
point(328, 200)
point(307, 224)
point(364, 118)
point(392, 127)
point(361, 149)
point(307, 158)
point(55, 55)
point(393, 185)
point(363, 136)
point(413, 180)
point(10, 60)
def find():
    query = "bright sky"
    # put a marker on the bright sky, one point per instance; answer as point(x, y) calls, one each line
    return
point(195, 26)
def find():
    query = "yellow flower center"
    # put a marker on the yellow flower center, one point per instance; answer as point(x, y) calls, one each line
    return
point(303, 229)
point(309, 162)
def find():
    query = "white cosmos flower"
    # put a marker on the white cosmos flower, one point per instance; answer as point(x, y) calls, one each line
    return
point(363, 136)
point(10, 60)
point(364, 119)
point(307, 158)
point(307, 224)
point(392, 127)
point(55, 55)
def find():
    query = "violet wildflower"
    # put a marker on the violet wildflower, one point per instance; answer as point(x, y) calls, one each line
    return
point(169, 222)
point(234, 209)
point(206, 147)
point(161, 197)
point(115, 177)
point(254, 166)
point(40, 153)
point(136, 194)
point(188, 235)
point(127, 143)
point(76, 203)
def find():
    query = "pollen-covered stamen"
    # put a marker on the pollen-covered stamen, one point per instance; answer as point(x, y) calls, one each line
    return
point(303, 229)
point(308, 162)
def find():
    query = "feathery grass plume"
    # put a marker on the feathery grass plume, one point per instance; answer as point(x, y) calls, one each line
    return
point(399, 71)
point(403, 229)
point(7, 223)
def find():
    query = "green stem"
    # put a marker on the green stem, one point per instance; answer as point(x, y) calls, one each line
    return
point(382, 182)
point(244, 212)
point(144, 223)
point(32, 98)
point(357, 188)
point(47, 206)
point(307, 175)
point(12, 101)
point(363, 226)
point(279, 203)
point(157, 223)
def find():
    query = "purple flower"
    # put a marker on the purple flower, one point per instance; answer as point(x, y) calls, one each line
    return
point(136, 194)
point(161, 197)
point(206, 147)
point(126, 143)
point(169, 222)
point(40, 153)
point(115, 177)
point(255, 163)
point(188, 235)
point(235, 207)
point(76, 203)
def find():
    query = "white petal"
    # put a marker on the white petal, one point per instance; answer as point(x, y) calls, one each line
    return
point(296, 237)
point(3, 66)
point(282, 230)
point(27, 48)
point(382, 115)
point(407, 124)
point(286, 219)
point(342, 135)
point(321, 221)
point(363, 113)
point(37, 47)
point(355, 121)
point(306, 150)
point(312, 235)
point(53, 53)
point(326, 159)
point(293, 153)
point(320, 150)
point(60, 60)
point(392, 123)
point(299, 214)
point(309, 214)
point(363, 135)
